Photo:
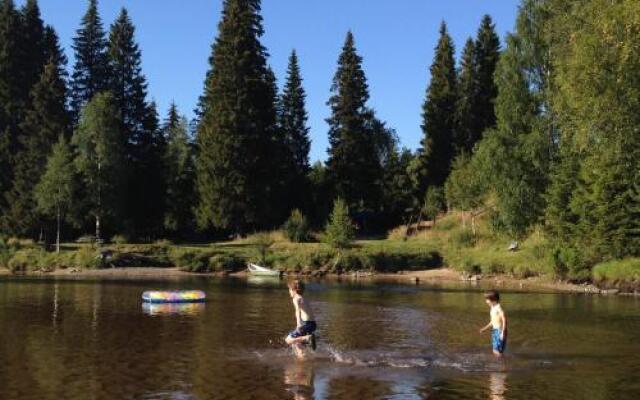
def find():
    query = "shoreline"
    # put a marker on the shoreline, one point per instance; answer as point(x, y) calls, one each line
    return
point(439, 277)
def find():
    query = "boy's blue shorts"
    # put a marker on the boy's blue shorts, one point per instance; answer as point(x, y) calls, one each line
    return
point(497, 344)
point(307, 328)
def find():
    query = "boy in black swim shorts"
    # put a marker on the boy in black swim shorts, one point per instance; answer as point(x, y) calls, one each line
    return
point(305, 322)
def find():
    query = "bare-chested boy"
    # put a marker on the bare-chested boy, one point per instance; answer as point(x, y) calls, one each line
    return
point(305, 322)
point(498, 322)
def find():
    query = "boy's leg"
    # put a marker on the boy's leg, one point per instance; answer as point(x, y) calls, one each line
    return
point(298, 340)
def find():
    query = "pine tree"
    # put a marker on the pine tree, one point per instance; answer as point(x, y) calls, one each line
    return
point(45, 120)
point(12, 99)
point(236, 136)
point(54, 53)
point(398, 193)
point(560, 220)
point(144, 144)
point(33, 43)
point(437, 146)
point(99, 159)
point(340, 231)
point(91, 69)
point(487, 54)
point(55, 190)
point(275, 171)
point(353, 165)
point(320, 190)
point(468, 128)
point(180, 174)
point(293, 124)
point(294, 117)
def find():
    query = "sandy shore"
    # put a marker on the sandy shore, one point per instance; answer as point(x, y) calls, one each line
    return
point(440, 277)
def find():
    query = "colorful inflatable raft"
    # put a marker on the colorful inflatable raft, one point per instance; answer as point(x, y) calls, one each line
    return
point(176, 296)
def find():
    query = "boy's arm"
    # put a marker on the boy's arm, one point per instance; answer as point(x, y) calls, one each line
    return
point(484, 328)
point(503, 317)
point(296, 305)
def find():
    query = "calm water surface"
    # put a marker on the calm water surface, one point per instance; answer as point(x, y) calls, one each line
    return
point(87, 339)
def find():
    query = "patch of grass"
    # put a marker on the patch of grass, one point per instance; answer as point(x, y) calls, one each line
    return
point(620, 271)
point(227, 263)
point(191, 260)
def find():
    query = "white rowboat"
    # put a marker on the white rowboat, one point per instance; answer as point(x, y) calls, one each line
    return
point(261, 271)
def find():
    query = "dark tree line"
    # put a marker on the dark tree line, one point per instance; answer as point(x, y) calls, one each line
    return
point(542, 133)
point(243, 163)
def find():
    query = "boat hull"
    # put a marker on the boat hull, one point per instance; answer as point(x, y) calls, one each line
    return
point(262, 271)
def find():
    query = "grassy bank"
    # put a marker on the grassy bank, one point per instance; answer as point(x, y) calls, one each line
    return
point(619, 273)
point(270, 249)
point(487, 253)
point(450, 242)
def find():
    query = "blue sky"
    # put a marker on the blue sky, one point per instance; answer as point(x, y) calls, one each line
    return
point(396, 38)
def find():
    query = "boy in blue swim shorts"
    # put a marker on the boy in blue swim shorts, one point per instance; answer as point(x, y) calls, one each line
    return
point(498, 323)
point(305, 322)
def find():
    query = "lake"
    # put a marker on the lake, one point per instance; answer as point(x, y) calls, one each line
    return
point(94, 339)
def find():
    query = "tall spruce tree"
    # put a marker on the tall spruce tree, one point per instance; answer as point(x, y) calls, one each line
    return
point(293, 124)
point(353, 165)
point(33, 43)
point(435, 155)
point(180, 174)
point(235, 178)
point(294, 116)
point(487, 54)
point(468, 128)
point(12, 100)
point(54, 52)
point(45, 120)
point(91, 70)
point(143, 141)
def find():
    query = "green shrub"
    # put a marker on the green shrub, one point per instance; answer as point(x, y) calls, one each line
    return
point(433, 202)
point(307, 259)
point(87, 258)
point(17, 243)
point(5, 256)
point(296, 229)
point(226, 262)
point(568, 263)
point(262, 242)
point(347, 261)
point(627, 270)
point(393, 261)
point(25, 260)
point(469, 266)
point(5, 252)
point(62, 260)
point(191, 260)
point(463, 238)
point(119, 239)
point(446, 224)
point(161, 247)
point(493, 266)
point(339, 232)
